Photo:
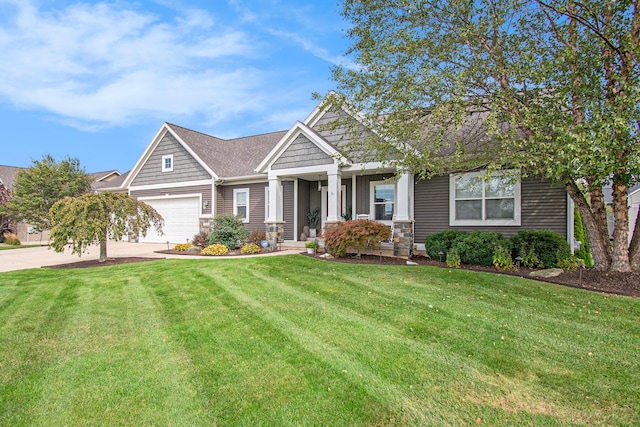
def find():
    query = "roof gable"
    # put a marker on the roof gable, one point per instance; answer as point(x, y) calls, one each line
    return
point(300, 147)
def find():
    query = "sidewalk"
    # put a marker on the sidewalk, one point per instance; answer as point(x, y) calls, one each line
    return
point(36, 257)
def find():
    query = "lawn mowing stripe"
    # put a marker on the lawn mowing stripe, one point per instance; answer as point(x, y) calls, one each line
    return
point(395, 340)
point(94, 367)
point(334, 357)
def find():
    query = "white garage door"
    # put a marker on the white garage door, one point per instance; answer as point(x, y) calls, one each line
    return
point(180, 220)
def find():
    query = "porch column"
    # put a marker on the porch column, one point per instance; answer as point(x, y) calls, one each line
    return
point(274, 225)
point(333, 194)
point(403, 217)
point(404, 194)
point(275, 199)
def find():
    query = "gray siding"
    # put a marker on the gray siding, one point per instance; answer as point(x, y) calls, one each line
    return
point(257, 205)
point(204, 190)
point(542, 207)
point(185, 167)
point(343, 136)
point(302, 152)
point(363, 196)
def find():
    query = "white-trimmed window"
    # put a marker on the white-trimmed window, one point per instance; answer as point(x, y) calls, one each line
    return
point(241, 203)
point(476, 200)
point(167, 163)
point(383, 201)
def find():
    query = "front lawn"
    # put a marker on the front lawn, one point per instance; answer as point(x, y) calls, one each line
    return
point(299, 341)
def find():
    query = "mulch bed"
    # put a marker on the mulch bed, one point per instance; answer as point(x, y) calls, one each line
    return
point(627, 284)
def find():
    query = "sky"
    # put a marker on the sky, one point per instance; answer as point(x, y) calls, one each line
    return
point(95, 80)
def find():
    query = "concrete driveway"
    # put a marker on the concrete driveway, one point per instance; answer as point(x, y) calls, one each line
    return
point(42, 256)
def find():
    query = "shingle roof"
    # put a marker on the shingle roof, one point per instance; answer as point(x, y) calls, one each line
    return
point(115, 183)
point(99, 176)
point(8, 175)
point(229, 157)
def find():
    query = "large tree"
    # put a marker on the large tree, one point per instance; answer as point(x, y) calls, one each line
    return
point(94, 218)
point(550, 87)
point(45, 182)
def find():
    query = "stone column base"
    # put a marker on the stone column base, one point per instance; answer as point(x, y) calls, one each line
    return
point(403, 238)
point(275, 233)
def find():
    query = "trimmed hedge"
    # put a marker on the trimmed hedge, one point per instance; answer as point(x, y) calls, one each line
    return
point(548, 246)
point(478, 247)
point(441, 242)
point(227, 230)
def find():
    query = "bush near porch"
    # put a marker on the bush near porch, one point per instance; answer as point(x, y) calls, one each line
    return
point(355, 236)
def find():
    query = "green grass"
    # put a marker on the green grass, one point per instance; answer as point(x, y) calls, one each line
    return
point(296, 341)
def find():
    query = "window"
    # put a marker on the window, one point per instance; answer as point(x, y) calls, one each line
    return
point(167, 163)
point(475, 200)
point(241, 203)
point(383, 199)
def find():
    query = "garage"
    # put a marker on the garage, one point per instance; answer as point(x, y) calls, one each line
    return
point(181, 219)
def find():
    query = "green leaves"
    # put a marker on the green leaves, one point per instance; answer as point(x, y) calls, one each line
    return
point(94, 218)
point(37, 188)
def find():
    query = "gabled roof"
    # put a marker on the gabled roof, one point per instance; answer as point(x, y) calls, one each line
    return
point(231, 157)
point(113, 184)
point(289, 137)
point(104, 176)
point(8, 175)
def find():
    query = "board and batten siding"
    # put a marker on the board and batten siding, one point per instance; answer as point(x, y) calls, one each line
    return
point(185, 166)
point(300, 153)
point(257, 205)
point(204, 190)
point(543, 207)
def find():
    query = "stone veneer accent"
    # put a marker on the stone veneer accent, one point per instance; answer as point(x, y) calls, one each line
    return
point(403, 238)
point(275, 233)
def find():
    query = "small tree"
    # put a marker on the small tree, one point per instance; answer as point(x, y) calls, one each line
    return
point(355, 234)
point(94, 218)
point(37, 188)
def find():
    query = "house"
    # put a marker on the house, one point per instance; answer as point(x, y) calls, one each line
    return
point(273, 180)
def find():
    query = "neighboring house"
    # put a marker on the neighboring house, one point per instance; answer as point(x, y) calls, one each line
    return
point(273, 180)
point(26, 232)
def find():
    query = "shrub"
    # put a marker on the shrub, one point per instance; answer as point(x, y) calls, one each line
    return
point(11, 239)
point(570, 263)
point(201, 239)
point(584, 253)
point(529, 257)
point(215, 249)
point(548, 246)
point(250, 248)
point(453, 258)
point(227, 230)
point(356, 235)
point(441, 242)
point(181, 247)
point(477, 247)
point(502, 258)
point(256, 237)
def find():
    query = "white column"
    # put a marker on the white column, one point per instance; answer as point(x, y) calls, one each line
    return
point(275, 199)
point(333, 194)
point(404, 190)
point(353, 197)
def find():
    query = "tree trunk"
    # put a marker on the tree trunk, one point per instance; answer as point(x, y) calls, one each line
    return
point(599, 247)
point(620, 258)
point(103, 248)
point(599, 209)
point(634, 246)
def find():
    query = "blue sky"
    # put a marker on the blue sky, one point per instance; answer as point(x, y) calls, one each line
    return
point(96, 80)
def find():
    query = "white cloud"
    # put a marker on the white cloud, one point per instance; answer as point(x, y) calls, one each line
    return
point(104, 64)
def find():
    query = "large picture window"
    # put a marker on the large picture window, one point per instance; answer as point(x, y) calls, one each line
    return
point(383, 200)
point(241, 203)
point(478, 200)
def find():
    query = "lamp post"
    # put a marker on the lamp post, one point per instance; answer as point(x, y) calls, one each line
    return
point(518, 261)
point(440, 254)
